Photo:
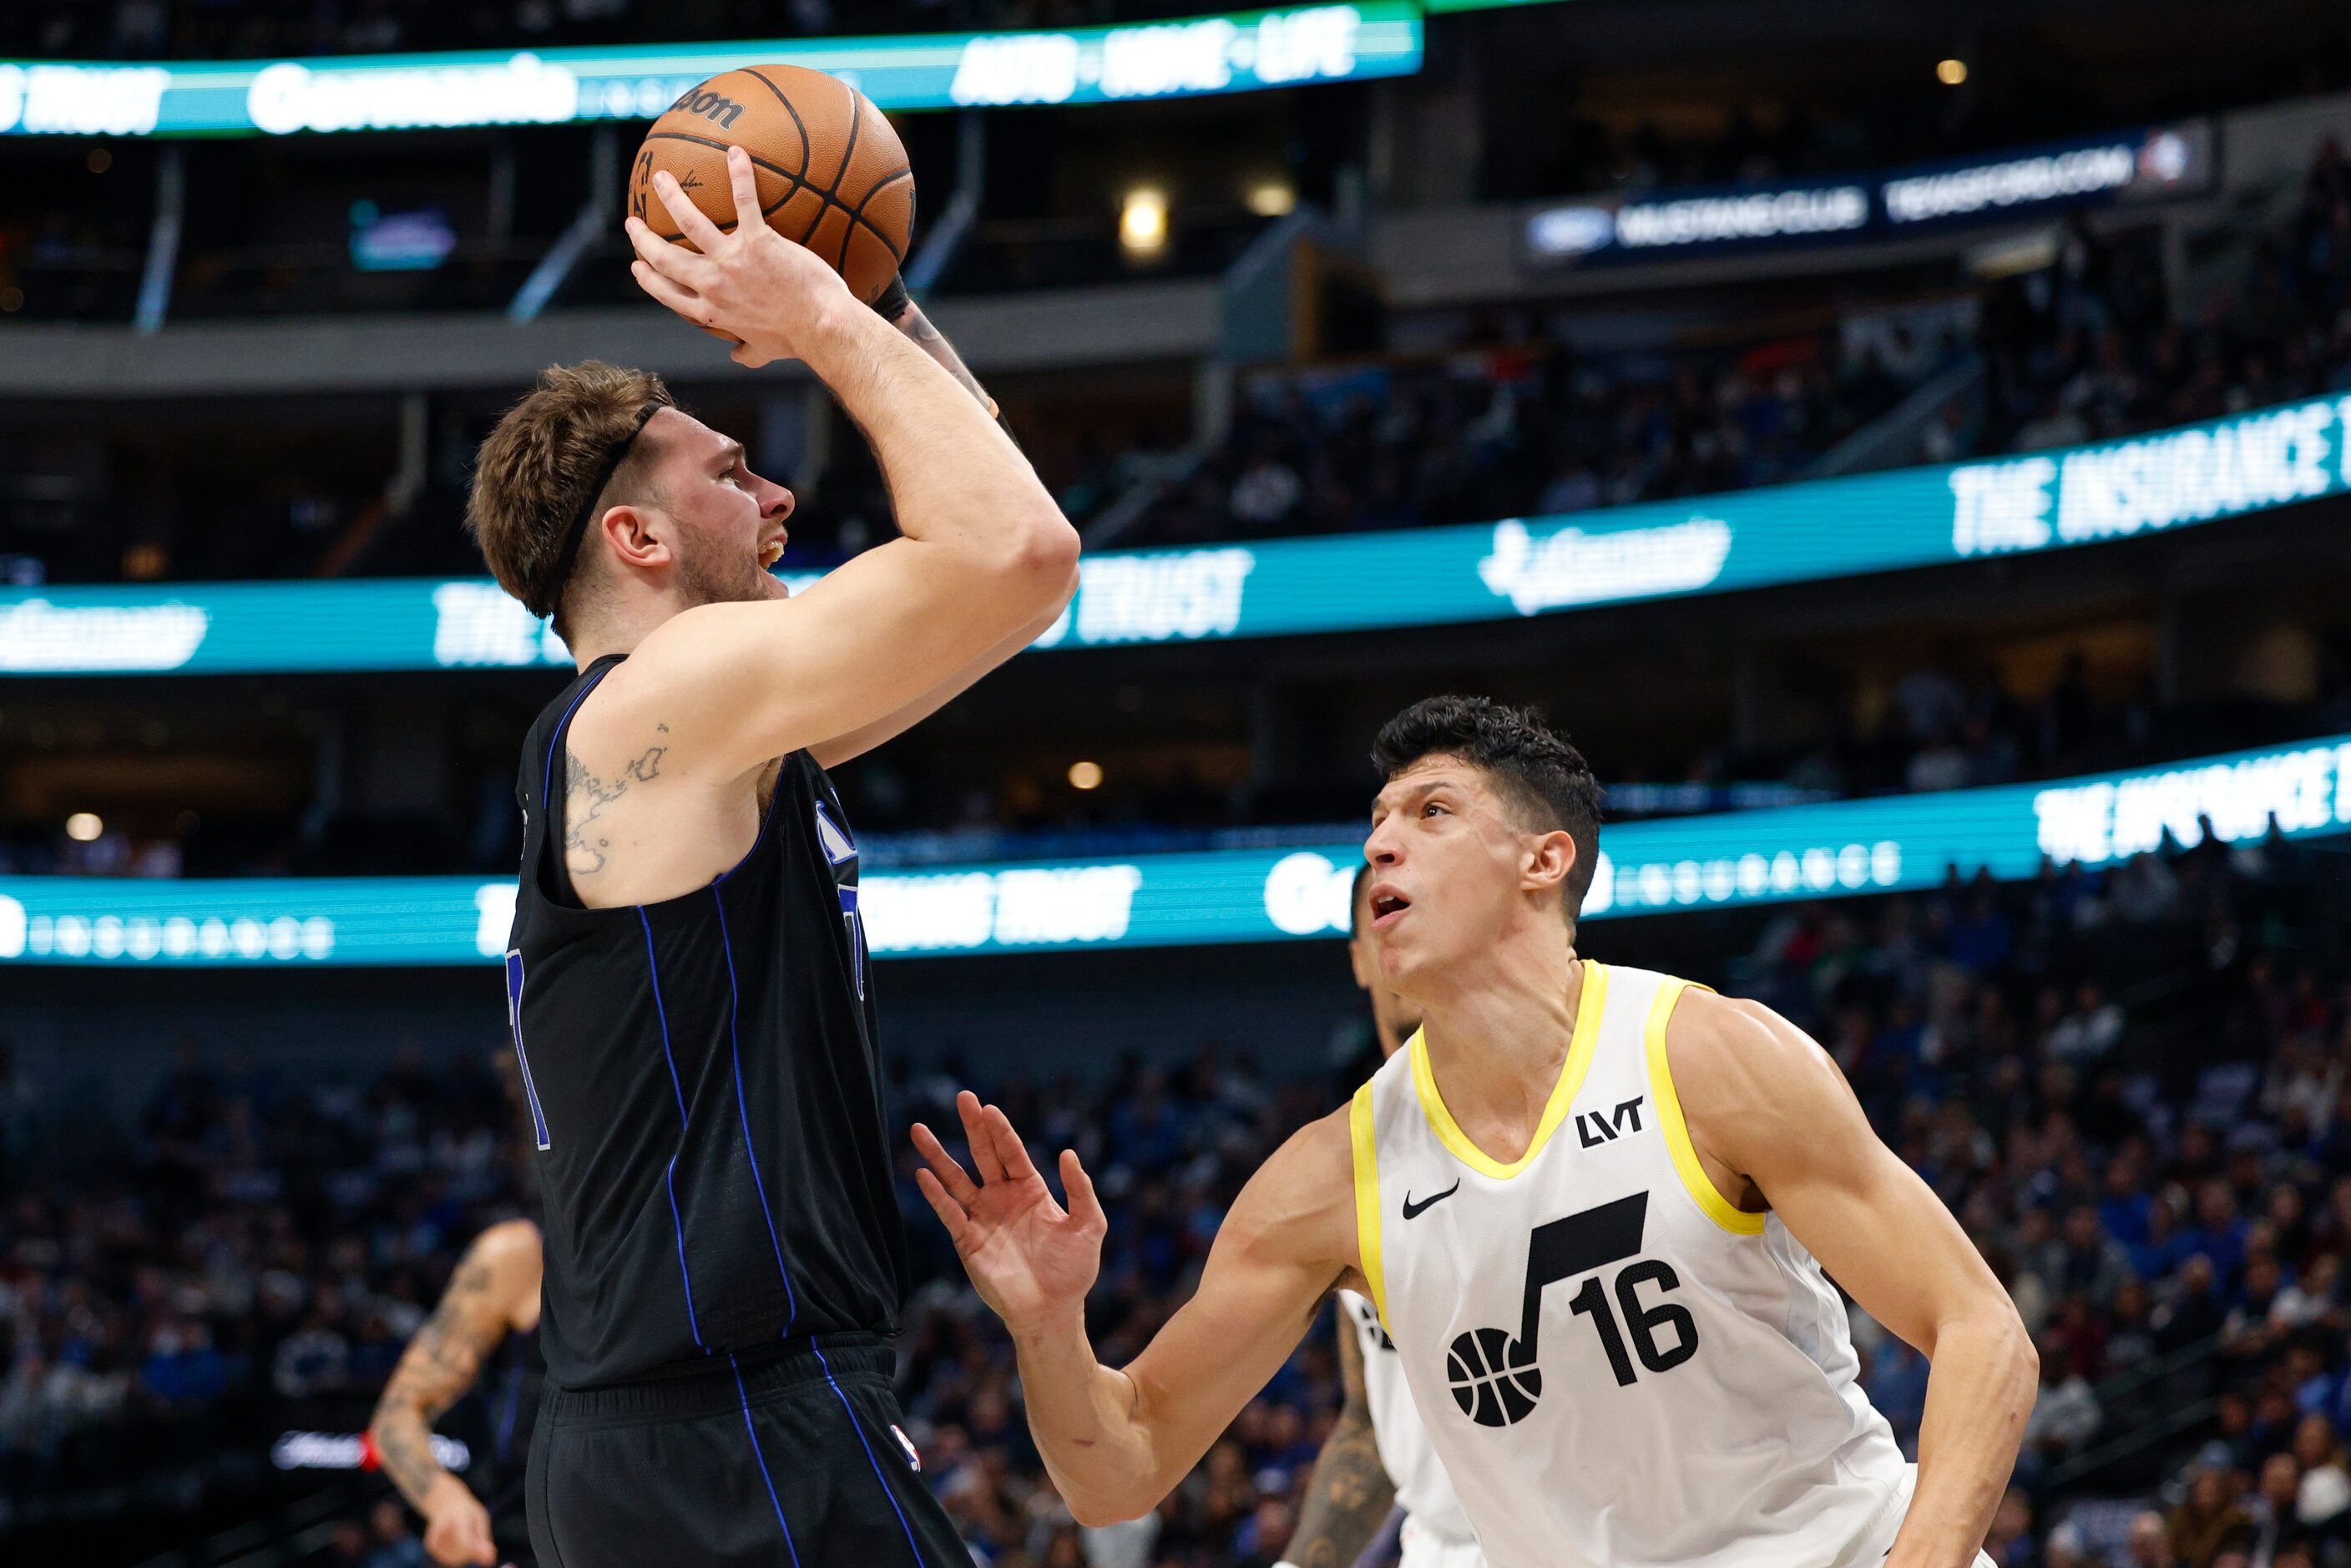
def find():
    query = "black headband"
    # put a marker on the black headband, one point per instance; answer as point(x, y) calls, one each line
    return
point(550, 592)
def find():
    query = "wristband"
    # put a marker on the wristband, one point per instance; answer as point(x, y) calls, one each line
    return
point(892, 301)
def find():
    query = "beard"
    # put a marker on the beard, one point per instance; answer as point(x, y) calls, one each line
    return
point(710, 574)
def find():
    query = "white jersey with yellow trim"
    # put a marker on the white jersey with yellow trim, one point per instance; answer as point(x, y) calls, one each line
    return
point(1422, 1488)
point(1615, 1365)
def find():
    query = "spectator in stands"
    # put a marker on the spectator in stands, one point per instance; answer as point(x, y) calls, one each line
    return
point(2150, 1542)
point(2209, 1520)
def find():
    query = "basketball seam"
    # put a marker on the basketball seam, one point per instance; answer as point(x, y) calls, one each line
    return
point(778, 170)
point(857, 216)
point(806, 150)
point(800, 183)
point(848, 152)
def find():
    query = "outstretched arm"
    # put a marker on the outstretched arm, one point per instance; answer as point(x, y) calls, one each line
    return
point(1349, 1496)
point(1116, 1441)
point(1768, 1108)
point(493, 1291)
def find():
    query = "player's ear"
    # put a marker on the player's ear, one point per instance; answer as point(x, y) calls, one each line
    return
point(634, 537)
point(1549, 858)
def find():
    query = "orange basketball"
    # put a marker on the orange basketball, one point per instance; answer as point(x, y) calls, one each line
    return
point(832, 173)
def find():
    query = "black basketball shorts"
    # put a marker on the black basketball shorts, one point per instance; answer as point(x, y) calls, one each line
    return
point(798, 1459)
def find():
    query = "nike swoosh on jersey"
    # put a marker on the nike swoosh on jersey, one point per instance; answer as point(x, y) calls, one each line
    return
point(1414, 1210)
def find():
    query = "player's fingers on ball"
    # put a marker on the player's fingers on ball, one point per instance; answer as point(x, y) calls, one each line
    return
point(692, 221)
point(674, 295)
point(670, 260)
point(748, 219)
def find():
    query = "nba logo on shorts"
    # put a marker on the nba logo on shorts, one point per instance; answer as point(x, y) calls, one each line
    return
point(906, 1443)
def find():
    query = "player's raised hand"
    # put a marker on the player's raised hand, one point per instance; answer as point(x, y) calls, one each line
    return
point(1031, 1260)
point(747, 282)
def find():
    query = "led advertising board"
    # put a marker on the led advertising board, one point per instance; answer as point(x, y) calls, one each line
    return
point(2230, 467)
point(1834, 849)
point(1238, 53)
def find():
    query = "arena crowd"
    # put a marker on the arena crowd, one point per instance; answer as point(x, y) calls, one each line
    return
point(2133, 1086)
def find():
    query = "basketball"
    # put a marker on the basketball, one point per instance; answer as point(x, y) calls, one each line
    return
point(832, 175)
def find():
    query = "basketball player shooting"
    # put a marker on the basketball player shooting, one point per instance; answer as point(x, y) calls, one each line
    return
point(688, 974)
point(1586, 1201)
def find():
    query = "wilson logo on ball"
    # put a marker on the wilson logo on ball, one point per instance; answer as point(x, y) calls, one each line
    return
point(716, 107)
point(828, 170)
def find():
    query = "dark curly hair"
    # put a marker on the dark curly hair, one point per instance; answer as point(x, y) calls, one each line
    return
point(1543, 779)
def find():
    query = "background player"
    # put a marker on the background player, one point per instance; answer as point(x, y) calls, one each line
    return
point(491, 1306)
point(688, 972)
point(1716, 1150)
point(1378, 1452)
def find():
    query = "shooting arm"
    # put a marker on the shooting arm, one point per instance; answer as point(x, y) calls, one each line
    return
point(983, 550)
point(1350, 1493)
point(1116, 1442)
point(857, 742)
point(1768, 1107)
point(919, 331)
point(491, 1289)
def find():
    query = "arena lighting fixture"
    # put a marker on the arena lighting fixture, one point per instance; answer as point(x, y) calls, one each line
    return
point(1085, 774)
point(1272, 198)
point(84, 827)
point(1143, 221)
point(1951, 72)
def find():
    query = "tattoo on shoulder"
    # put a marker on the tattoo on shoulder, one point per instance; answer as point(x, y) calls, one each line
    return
point(585, 796)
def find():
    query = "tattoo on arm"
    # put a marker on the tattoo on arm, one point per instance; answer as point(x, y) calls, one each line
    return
point(1349, 1495)
point(440, 1364)
point(933, 342)
point(585, 796)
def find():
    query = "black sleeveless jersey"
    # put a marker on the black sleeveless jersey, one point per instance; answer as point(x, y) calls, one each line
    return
point(705, 1094)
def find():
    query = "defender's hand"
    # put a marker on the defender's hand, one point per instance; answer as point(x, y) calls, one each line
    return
point(749, 283)
point(1030, 1259)
point(456, 1525)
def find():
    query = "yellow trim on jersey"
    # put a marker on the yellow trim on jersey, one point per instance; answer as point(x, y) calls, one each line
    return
point(1562, 1093)
point(1719, 1209)
point(1367, 1201)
